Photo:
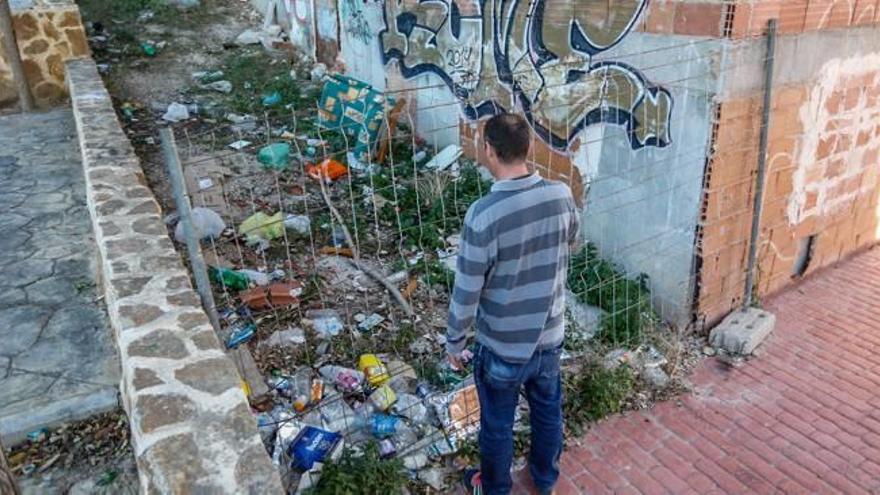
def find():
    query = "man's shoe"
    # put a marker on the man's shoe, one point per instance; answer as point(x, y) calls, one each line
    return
point(472, 483)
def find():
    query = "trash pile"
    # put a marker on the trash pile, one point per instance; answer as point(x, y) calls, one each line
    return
point(316, 412)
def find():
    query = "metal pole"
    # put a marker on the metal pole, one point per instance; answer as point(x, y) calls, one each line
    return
point(181, 198)
point(14, 57)
point(762, 163)
point(7, 479)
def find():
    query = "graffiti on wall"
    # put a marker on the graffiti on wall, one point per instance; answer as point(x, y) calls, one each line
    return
point(539, 55)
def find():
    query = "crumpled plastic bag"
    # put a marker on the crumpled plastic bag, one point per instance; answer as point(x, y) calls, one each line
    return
point(261, 227)
point(207, 222)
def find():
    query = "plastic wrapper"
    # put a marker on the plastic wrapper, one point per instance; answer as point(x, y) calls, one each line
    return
point(411, 407)
point(345, 379)
point(312, 445)
point(261, 227)
point(326, 322)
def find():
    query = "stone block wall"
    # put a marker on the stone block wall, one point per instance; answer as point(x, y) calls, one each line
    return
point(48, 34)
point(821, 187)
point(192, 430)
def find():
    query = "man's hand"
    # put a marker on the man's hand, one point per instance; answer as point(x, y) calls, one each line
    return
point(455, 361)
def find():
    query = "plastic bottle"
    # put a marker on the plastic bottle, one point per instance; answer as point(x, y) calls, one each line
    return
point(231, 279)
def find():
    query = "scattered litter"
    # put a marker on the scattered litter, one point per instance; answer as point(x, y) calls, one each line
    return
point(370, 322)
point(240, 144)
point(207, 223)
point(345, 379)
point(258, 278)
point(445, 158)
point(373, 369)
point(271, 99)
point(613, 359)
point(318, 72)
point(275, 156)
point(219, 86)
point(149, 48)
point(38, 435)
point(276, 295)
point(313, 445)
point(248, 37)
point(300, 224)
point(176, 112)
point(261, 227)
point(205, 177)
point(325, 321)
point(230, 279)
point(240, 335)
point(383, 398)
point(206, 76)
point(329, 170)
point(709, 351)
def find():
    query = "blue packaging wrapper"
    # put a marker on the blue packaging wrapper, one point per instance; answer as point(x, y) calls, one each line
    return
point(312, 445)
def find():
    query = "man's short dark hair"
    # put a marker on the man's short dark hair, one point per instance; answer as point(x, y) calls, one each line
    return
point(509, 135)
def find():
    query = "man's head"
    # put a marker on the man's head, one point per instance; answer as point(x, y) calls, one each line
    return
point(506, 144)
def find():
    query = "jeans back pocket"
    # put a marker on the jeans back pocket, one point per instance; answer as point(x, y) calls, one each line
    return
point(499, 373)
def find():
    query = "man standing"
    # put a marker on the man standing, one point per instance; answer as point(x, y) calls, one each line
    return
point(510, 284)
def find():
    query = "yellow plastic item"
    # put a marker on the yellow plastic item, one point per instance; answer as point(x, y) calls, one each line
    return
point(261, 226)
point(383, 398)
point(373, 368)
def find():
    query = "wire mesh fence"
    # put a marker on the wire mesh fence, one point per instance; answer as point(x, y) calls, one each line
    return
point(331, 225)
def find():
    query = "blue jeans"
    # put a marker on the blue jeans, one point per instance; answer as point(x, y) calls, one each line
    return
point(499, 384)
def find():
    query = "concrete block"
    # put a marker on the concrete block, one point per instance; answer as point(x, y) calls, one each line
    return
point(742, 331)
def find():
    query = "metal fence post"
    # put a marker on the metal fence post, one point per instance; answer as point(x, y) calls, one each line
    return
point(14, 57)
point(7, 479)
point(762, 163)
point(184, 209)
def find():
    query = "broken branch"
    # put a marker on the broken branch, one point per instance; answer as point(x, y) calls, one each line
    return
point(356, 258)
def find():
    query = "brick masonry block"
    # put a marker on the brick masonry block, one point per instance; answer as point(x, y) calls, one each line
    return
point(743, 331)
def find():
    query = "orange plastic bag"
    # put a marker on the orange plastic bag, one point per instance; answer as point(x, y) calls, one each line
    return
point(329, 169)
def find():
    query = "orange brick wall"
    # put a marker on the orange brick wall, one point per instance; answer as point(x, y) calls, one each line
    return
point(822, 167)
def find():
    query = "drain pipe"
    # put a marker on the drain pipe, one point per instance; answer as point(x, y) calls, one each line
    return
point(14, 57)
point(748, 298)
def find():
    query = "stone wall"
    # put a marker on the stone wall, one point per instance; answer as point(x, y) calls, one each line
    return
point(192, 430)
point(48, 34)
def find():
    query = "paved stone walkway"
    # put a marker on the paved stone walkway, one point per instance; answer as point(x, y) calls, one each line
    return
point(57, 358)
point(802, 418)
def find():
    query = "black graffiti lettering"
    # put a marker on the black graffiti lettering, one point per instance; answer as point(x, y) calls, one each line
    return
point(513, 51)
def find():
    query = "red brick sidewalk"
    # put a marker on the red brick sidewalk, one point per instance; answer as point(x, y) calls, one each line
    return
point(803, 417)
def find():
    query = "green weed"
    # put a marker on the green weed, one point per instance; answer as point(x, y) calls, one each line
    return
point(627, 301)
point(594, 393)
point(362, 473)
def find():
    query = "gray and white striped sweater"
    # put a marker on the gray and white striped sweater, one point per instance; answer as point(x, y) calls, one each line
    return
point(512, 268)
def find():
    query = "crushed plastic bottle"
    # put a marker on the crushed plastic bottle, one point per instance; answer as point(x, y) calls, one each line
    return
point(230, 279)
point(325, 321)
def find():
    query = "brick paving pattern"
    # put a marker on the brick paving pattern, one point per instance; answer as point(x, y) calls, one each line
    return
point(57, 358)
point(802, 417)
